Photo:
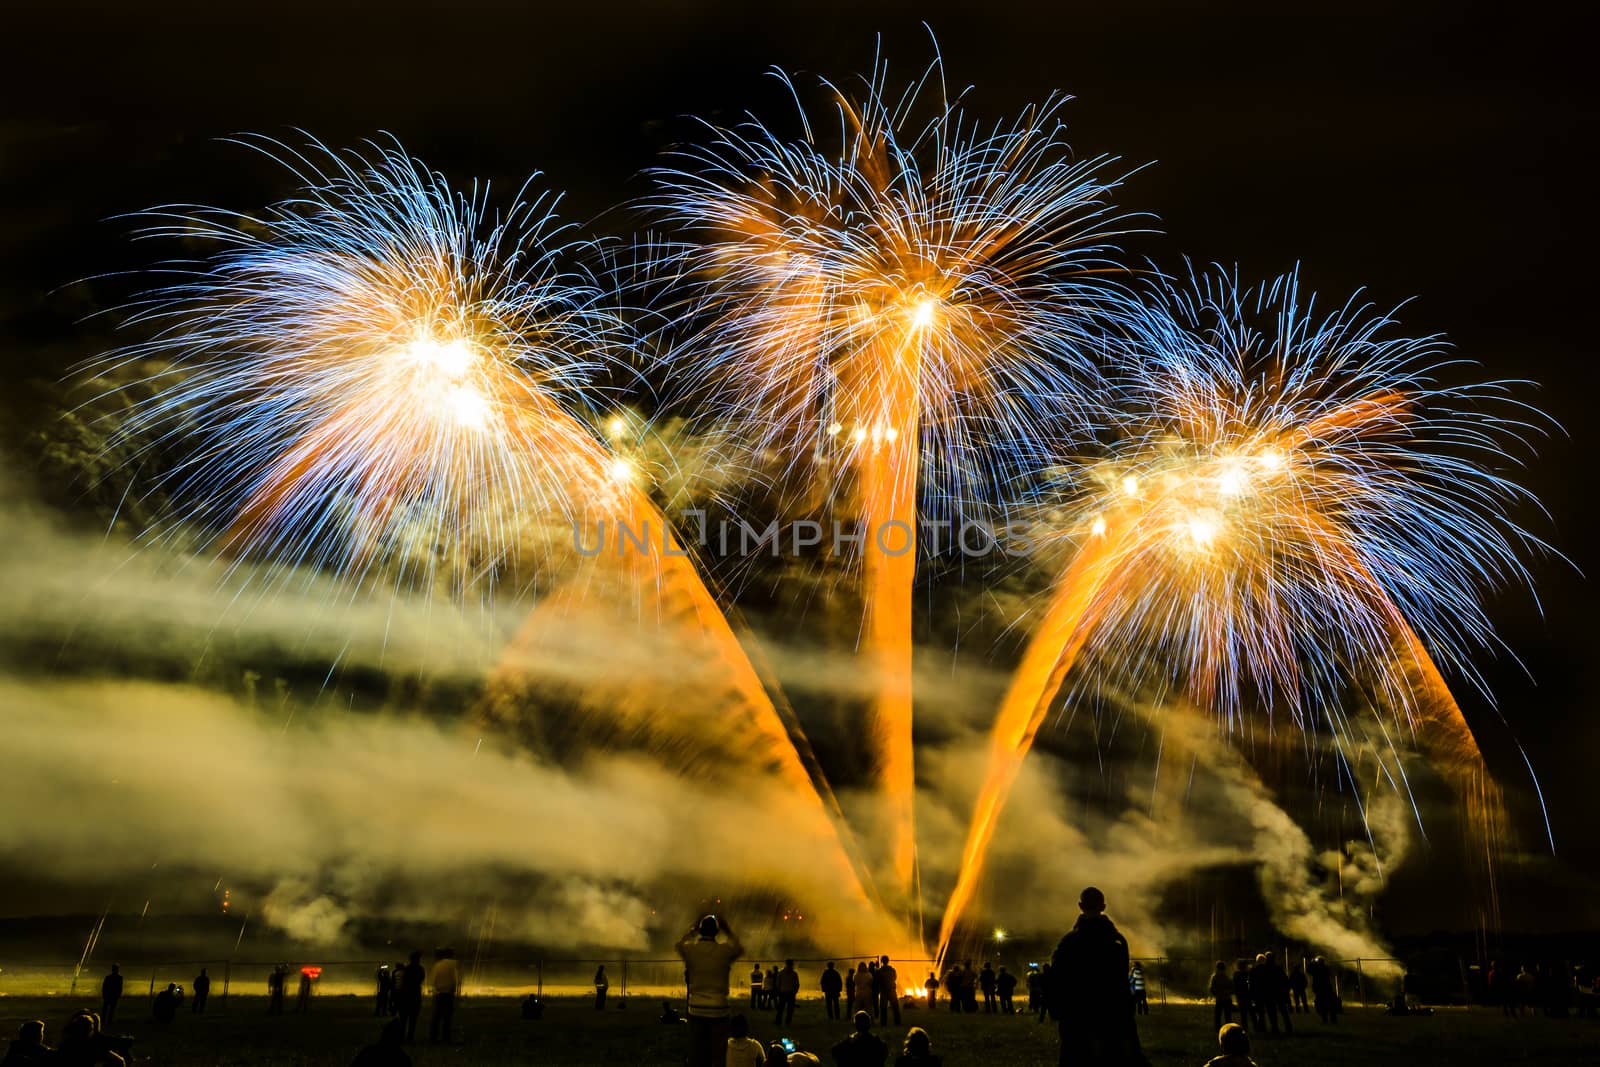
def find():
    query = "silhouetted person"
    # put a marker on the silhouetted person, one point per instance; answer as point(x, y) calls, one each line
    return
point(110, 993)
point(532, 1007)
point(1041, 1008)
point(84, 1045)
point(706, 963)
point(385, 979)
point(1272, 993)
point(202, 990)
point(1221, 990)
point(1005, 983)
point(1297, 988)
point(1141, 998)
point(832, 984)
point(446, 979)
point(396, 973)
point(788, 987)
point(669, 1014)
point(969, 988)
point(918, 1050)
point(931, 989)
point(743, 1050)
point(861, 989)
point(1089, 987)
point(302, 1000)
point(756, 980)
point(872, 987)
point(888, 990)
point(28, 1049)
point(987, 984)
point(769, 986)
point(1324, 997)
point(1235, 1045)
point(165, 1007)
point(862, 1048)
point(275, 984)
point(602, 985)
point(410, 982)
point(387, 1051)
point(1242, 993)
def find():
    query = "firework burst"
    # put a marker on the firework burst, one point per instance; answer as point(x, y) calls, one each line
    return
point(895, 315)
point(378, 375)
point(1300, 513)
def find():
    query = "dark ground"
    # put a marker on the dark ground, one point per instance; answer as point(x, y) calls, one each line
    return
point(492, 1032)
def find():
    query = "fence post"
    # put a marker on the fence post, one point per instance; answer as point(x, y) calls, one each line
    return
point(152, 981)
point(540, 966)
point(624, 981)
point(225, 974)
point(1361, 983)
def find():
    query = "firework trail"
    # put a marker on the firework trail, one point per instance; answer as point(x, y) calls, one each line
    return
point(897, 304)
point(1300, 509)
point(380, 377)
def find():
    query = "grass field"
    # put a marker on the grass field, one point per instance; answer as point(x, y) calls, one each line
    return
point(490, 1031)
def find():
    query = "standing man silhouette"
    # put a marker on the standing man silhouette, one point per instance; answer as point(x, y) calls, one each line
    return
point(706, 965)
point(1089, 984)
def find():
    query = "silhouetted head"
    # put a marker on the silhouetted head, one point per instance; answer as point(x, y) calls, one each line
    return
point(416, 957)
point(863, 1023)
point(30, 1033)
point(709, 926)
point(738, 1026)
point(1221, 966)
point(884, 960)
point(788, 963)
point(830, 965)
point(860, 967)
point(172, 987)
point(1091, 901)
point(917, 1043)
point(78, 1028)
point(115, 969)
point(1234, 1040)
point(202, 970)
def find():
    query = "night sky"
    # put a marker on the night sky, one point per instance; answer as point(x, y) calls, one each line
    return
point(1434, 156)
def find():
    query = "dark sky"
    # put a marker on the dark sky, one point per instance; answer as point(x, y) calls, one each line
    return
point(1441, 155)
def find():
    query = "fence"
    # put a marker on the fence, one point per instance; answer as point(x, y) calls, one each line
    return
point(1363, 981)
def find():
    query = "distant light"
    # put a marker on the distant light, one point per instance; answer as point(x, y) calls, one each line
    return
point(923, 311)
point(1130, 485)
point(621, 470)
point(834, 428)
point(1098, 527)
point(999, 935)
point(617, 427)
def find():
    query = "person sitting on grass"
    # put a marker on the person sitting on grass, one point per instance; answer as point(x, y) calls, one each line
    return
point(165, 1008)
point(779, 1056)
point(743, 1050)
point(918, 1050)
point(669, 1014)
point(388, 1051)
point(862, 1048)
point(29, 1047)
point(1235, 1044)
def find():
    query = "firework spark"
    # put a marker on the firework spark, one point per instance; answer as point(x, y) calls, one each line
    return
point(899, 313)
point(1301, 513)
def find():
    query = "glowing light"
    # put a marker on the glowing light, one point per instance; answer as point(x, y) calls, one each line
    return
point(999, 935)
point(923, 311)
point(1130, 485)
point(616, 427)
point(621, 470)
point(834, 428)
point(1098, 527)
point(1202, 527)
